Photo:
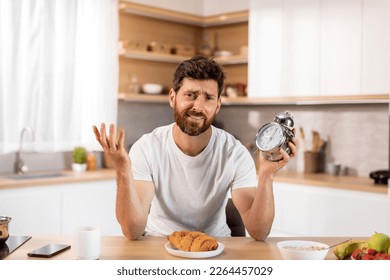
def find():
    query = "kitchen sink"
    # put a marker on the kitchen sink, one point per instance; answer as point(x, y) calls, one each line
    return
point(34, 176)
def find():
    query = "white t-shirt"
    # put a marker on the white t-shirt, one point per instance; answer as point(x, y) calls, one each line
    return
point(191, 192)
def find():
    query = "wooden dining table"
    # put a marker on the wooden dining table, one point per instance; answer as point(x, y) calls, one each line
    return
point(153, 248)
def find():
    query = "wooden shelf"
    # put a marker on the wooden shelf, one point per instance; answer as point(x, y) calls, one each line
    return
point(170, 58)
point(144, 98)
point(161, 26)
point(314, 100)
point(232, 60)
point(157, 57)
point(186, 18)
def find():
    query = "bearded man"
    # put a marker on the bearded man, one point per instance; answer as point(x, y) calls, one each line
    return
point(180, 176)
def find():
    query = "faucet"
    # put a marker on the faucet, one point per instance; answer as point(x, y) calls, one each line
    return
point(19, 166)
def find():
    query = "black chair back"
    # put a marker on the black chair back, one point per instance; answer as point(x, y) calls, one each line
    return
point(233, 219)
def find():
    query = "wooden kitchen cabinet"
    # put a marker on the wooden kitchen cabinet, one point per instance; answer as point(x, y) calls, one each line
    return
point(162, 32)
point(150, 67)
point(321, 211)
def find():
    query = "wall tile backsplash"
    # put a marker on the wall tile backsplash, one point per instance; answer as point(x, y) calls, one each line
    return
point(357, 135)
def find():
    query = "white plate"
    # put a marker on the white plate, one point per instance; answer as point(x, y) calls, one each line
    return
point(193, 255)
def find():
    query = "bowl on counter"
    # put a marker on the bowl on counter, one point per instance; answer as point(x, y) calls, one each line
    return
point(223, 53)
point(150, 88)
point(4, 234)
point(302, 250)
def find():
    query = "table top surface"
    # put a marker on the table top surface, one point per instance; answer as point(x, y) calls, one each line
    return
point(153, 248)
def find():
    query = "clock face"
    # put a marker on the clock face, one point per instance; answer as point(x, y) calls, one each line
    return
point(269, 137)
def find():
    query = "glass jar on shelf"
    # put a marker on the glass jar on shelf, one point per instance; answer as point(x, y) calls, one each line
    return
point(205, 49)
point(133, 87)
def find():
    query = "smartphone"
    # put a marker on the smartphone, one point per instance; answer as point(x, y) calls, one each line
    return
point(49, 250)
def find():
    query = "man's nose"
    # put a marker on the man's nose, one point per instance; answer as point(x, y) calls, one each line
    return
point(199, 103)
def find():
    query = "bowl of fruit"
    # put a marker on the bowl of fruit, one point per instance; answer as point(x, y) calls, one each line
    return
point(377, 247)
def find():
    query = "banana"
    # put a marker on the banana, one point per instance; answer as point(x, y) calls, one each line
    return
point(345, 249)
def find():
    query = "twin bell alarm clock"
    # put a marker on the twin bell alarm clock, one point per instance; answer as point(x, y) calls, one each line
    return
point(274, 136)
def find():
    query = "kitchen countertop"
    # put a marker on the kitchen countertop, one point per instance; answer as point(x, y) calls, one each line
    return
point(315, 179)
point(152, 248)
point(69, 177)
point(352, 183)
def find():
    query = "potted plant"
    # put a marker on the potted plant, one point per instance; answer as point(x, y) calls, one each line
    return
point(79, 159)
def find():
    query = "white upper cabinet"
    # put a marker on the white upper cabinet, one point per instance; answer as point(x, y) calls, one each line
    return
point(376, 47)
point(301, 45)
point(318, 47)
point(284, 44)
point(265, 48)
point(340, 48)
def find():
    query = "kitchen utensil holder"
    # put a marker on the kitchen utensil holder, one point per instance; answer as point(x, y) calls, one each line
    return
point(314, 162)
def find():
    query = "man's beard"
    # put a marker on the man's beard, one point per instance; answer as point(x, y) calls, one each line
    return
point(190, 127)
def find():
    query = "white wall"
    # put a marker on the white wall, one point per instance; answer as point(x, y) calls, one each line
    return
point(212, 7)
point(198, 7)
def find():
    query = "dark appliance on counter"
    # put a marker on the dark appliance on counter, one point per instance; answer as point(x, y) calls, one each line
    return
point(380, 176)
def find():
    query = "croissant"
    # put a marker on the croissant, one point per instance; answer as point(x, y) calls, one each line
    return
point(192, 241)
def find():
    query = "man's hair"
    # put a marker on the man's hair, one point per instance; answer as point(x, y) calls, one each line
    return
point(199, 68)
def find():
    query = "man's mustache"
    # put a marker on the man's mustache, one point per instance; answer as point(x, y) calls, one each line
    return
point(196, 114)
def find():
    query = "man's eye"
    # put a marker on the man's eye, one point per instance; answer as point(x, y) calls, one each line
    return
point(190, 95)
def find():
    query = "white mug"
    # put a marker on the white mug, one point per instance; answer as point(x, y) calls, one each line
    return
point(87, 243)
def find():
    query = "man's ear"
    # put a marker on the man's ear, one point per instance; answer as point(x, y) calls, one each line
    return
point(219, 104)
point(172, 96)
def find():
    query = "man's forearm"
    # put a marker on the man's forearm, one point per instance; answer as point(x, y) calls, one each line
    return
point(129, 210)
point(262, 211)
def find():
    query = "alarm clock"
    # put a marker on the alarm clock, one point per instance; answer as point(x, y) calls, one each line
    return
point(275, 135)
